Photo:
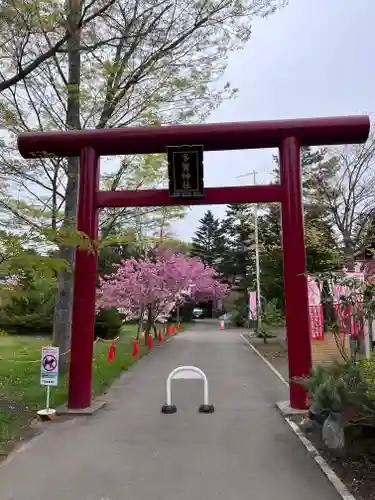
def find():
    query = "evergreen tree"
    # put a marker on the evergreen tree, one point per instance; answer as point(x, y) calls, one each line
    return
point(271, 257)
point(239, 255)
point(208, 241)
point(320, 241)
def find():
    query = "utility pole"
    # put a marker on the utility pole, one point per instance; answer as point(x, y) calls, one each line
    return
point(257, 262)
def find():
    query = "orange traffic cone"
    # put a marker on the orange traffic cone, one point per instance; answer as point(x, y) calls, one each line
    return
point(111, 353)
point(149, 341)
point(160, 338)
point(173, 329)
point(179, 327)
point(135, 348)
point(168, 330)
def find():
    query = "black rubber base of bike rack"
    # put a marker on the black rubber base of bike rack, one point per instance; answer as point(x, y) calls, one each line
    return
point(169, 409)
point(206, 408)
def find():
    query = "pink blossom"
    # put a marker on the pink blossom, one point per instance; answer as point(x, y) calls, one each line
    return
point(158, 284)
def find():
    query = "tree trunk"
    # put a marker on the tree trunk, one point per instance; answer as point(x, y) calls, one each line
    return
point(64, 301)
point(149, 324)
point(140, 324)
point(62, 318)
point(349, 255)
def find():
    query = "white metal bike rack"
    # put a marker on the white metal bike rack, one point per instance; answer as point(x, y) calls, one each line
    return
point(186, 372)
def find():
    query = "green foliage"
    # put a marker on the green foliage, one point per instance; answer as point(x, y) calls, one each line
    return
point(28, 284)
point(16, 252)
point(29, 307)
point(340, 388)
point(238, 263)
point(237, 310)
point(329, 387)
point(108, 323)
point(272, 314)
point(111, 255)
point(208, 241)
point(320, 239)
point(368, 368)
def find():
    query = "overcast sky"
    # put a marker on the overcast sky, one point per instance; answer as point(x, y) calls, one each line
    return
point(313, 58)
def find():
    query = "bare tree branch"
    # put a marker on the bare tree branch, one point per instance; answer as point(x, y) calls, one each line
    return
point(345, 185)
point(25, 70)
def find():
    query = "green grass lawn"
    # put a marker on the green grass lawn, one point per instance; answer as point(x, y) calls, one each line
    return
point(20, 392)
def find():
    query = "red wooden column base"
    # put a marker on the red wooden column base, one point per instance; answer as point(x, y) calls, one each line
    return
point(83, 320)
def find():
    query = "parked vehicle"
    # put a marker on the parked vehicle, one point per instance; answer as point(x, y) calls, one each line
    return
point(197, 312)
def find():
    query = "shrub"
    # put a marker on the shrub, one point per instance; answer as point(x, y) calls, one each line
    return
point(339, 388)
point(368, 367)
point(272, 314)
point(237, 311)
point(29, 307)
point(108, 323)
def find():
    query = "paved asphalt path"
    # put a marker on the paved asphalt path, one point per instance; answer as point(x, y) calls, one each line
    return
point(130, 451)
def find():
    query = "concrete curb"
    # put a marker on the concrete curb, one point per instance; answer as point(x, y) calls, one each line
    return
point(332, 477)
point(278, 374)
point(336, 482)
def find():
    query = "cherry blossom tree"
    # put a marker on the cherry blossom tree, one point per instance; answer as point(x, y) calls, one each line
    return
point(153, 286)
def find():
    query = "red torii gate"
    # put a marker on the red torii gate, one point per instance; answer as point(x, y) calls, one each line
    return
point(287, 135)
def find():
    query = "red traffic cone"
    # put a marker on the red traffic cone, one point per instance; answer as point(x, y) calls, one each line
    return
point(111, 353)
point(149, 341)
point(179, 327)
point(135, 348)
point(173, 329)
point(168, 330)
point(160, 338)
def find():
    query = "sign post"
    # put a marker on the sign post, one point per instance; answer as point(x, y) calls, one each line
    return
point(49, 377)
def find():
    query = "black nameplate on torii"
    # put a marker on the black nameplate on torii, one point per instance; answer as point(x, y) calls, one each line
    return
point(185, 171)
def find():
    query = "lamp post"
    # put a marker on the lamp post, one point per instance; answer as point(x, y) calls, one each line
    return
point(257, 261)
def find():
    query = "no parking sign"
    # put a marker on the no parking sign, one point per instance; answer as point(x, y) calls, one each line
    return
point(49, 372)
